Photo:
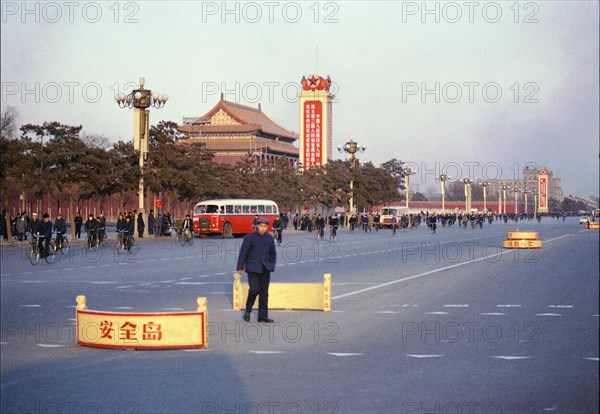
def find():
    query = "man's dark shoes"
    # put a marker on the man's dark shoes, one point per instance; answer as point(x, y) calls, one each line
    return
point(247, 316)
point(265, 320)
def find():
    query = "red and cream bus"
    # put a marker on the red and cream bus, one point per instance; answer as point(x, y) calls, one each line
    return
point(231, 217)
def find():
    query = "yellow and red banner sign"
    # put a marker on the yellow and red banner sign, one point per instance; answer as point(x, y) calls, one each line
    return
point(543, 192)
point(160, 330)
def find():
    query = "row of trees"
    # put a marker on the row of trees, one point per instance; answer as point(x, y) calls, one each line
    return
point(71, 167)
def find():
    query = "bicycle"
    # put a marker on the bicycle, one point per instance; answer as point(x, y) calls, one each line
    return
point(34, 255)
point(62, 246)
point(122, 244)
point(185, 236)
point(92, 241)
point(102, 237)
point(332, 232)
point(321, 233)
point(277, 235)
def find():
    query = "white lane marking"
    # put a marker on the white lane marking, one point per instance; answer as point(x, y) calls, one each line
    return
point(344, 354)
point(437, 313)
point(267, 352)
point(406, 305)
point(509, 357)
point(50, 345)
point(549, 408)
point(509, 306)
point(560, 306)
point(30, 306)
point(7, 274)
point(420, 356)
point(197, 350)
point(456, 306)
point(172, 309)
point(120, 264)
point(103, 283)
point(596, 315)
point(493, 314)
point(203, 283)
point(122, 307)
point(123, 287)
point(393, 282)
point(385, 312)
point(166, 281)
point(88, 267)
point(205, 276)
point(220, 273)
point(72, 306)
point(69, 268)
point(548, 314)
point(30, 281)
point(185, 278)
point(337, 311)
point(105, 265)
point(592, 358)
point(49, 270)
point(556, 238)
point(26, 273)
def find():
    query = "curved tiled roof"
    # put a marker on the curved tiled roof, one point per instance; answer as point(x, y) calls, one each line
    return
point(250, 119)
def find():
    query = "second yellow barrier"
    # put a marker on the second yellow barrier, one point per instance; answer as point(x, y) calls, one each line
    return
point(311, 296)
point(592, 224)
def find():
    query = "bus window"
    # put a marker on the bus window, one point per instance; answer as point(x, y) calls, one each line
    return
point(210, 209)
point(275, 209)
point(221, 210)
point(229, 209)
point(253, 209)
point(237, 209)
point(246, 209)
point(200, 209)
point(261, 209)
point(268, 209)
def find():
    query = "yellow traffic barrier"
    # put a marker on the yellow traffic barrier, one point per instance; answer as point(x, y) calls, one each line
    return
point(310, 296)
point(159, 330)
point(592, 225)
point(522, 240)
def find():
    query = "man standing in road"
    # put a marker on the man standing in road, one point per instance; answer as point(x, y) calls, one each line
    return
point(258, 258)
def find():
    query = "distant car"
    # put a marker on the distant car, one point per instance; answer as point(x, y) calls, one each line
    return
point(583, 219)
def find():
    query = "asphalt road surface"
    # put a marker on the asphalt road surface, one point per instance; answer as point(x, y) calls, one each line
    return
point(420, 323)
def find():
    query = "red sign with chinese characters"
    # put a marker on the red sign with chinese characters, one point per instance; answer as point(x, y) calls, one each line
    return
point(543, 192)
point(313, 145)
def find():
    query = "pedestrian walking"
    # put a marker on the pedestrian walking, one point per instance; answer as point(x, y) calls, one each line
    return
point(258, 258)
point(78, 224)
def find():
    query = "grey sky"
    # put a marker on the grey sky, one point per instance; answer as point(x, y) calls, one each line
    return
point(376, 53)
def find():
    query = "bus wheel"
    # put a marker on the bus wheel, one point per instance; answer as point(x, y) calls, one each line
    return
point(227, 231)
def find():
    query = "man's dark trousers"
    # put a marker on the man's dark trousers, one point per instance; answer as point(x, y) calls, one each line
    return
point(259, 286)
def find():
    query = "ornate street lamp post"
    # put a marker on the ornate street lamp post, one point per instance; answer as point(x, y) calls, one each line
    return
point(140, 100)
point(485, 185)
point(407, 173)
point(351, 148)
point(467, 182)
point(443, 179)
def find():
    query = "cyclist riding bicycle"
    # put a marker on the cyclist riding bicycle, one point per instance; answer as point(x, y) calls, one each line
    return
point(278, 229)
point(186, 225)
point(334, 222)
point(91, 227)
point(60, 226)
point(320, 224)
point(44, 229)
point(101, 228)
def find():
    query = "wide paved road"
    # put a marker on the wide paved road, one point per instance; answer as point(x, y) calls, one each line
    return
point(440, 323)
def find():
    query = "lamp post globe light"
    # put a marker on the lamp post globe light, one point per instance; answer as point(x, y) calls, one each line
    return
point(516, 190)
point(407, 173)
point(467, 182)
point(485, 184)
point(525, 192)
point(140, 100)
point(443, 178)
point(502, 198)
point(351, 148)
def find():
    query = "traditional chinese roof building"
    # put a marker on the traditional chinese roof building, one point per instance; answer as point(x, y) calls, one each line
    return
point(233, 131)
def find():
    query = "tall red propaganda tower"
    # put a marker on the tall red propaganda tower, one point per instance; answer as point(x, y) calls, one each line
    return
point(315, 121)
